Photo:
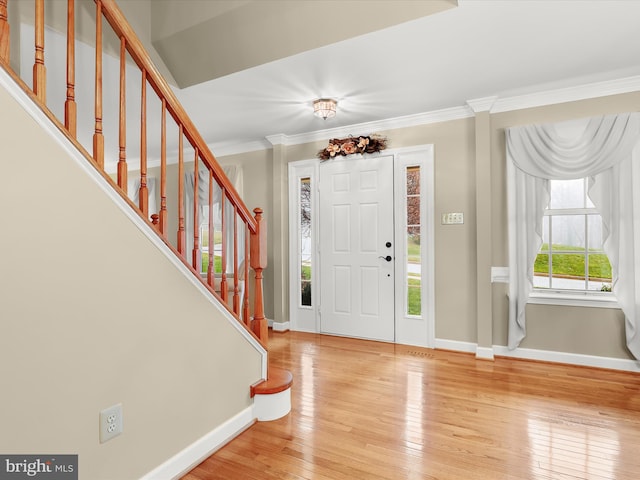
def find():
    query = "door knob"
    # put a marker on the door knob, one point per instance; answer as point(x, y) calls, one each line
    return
point(387, 258)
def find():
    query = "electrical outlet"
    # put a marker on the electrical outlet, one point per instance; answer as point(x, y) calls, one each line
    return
point(110, 422)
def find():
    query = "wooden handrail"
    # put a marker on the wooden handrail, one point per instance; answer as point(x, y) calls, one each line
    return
point(121, 27)
point(236, 219)
point(4, 33)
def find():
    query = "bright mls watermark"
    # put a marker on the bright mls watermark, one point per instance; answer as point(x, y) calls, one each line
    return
point(49, 467)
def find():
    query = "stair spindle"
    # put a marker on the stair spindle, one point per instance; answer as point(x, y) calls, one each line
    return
point(122, 151)
point(195, 254)
point(70, 107)
point(98, 137)
point(4, 33)
point(39, 70)
point(223, 277)
point(211, 267)
point(236, 290)
point(143, 195)
point(163, 171)
point(246, 314)
point(182, 237)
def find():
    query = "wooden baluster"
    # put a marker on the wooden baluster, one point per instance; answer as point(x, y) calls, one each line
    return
point(5, 51)
point(39, 70)
point(70, 108)
point(122, 155)
point(236, 289)
point(259, 324)
point(155, 220)
point(163, 171)
point(223, 277)
point(143, 194)
point(98, 137)
point(211, 268)
point(246, 314)
point(182, 238)
point(195, 255)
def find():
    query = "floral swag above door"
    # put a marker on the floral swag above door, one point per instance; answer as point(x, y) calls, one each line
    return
point(351, 145)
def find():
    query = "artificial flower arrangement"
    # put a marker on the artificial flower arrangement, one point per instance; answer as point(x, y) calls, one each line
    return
point(351, 145)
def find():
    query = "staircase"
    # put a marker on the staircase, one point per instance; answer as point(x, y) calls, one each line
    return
point(239, 236)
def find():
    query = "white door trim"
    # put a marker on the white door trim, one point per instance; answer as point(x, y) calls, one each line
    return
point(409, 330)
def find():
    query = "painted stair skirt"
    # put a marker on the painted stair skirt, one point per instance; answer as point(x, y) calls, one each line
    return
point(272, 398)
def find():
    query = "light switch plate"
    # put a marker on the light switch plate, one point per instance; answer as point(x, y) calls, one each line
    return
point(453, 218)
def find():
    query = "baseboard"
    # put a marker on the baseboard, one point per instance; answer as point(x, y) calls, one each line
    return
point(540, 355)
point(187, 459)
point(280, 326)
point(444, 344)
point(484, 353)
point(569, 358)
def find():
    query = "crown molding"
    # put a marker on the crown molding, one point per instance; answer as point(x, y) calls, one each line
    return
point(437, 116)
point(483, 104)
point(568, 94)
point(493, 104)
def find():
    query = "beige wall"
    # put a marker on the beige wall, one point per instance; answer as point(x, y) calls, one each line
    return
point(589, 331)
point(92, 313)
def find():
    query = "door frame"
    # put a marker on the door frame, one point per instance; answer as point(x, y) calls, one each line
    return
point(409, 330)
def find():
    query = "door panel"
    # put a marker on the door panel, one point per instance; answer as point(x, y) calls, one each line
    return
point(356, 215)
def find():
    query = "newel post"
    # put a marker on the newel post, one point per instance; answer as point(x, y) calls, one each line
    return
point(258, 257)
point(4, 32)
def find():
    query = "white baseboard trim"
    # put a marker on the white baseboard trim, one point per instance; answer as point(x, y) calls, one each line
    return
point(280, 326)
point(540, 355)
point(484, 353)
point(570, 358)
point(187, 459)
point(455, 345)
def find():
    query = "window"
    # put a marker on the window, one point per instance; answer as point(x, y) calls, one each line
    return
point(414, 270)
point(305, 241)
point(571, 257)
point(204, 243)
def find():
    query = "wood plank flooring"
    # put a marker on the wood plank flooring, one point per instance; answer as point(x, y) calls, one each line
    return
point(378, 411)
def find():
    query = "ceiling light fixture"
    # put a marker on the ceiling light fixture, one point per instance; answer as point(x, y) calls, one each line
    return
point(325, 108)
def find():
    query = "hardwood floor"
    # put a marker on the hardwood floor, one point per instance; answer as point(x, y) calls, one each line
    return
point(369, 410)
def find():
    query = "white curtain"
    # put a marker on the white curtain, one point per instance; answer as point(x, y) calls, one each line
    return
point(133, 190)
point(234, 174)
point(606, 149)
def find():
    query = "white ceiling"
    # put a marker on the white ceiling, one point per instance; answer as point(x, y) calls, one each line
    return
point(481, 48)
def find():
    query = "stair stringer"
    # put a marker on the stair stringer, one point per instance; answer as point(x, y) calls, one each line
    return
point(73, 427)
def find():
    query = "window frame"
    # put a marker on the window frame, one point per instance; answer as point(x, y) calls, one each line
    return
point(571, 297)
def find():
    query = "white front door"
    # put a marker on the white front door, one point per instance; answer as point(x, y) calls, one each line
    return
point(357, 247)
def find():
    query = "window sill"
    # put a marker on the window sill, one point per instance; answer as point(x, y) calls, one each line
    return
point(573, 299)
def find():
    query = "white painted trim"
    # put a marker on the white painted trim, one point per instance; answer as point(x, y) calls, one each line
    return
point(569, 358)
point(455, 345)
point(409, 330)
point(300, 316)
point(568, 94)
point(484, 353)
point(566, 299)
point(499, 274)
point(482, 104)
point(41, 119)
point(202, 448)
point(272, 406)
point(507, 104)
point(436, 116)
point(280, 326)
point(626, 365)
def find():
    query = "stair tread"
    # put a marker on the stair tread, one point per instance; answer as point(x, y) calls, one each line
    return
point(279, 381)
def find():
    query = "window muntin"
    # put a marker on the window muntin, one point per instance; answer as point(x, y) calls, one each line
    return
point(571, 257)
